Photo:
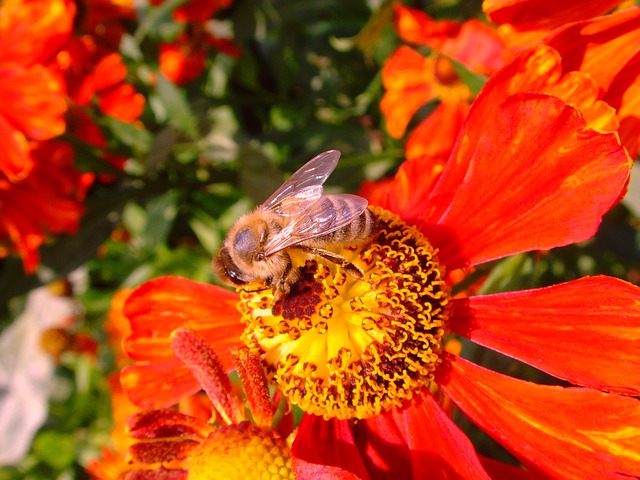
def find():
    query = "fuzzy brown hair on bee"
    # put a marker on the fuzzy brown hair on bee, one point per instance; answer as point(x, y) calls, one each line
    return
point(297, 216)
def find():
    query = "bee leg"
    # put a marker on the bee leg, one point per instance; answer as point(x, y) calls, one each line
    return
point(350, 268)
point(282, 286)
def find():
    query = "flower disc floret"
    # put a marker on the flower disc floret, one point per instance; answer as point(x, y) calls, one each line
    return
point(242, 452)
point(347, 347)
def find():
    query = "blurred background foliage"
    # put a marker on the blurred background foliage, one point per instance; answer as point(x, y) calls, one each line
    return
point(307, 80)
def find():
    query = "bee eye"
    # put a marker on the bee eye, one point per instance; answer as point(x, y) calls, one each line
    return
point(227, 268)
point(234, 277)
point(245, 242)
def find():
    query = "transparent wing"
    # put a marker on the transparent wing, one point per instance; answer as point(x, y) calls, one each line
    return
point(325, 215)
point(307, 181)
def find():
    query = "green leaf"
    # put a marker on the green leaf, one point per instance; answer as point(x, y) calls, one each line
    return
point(207, 230)
point(162, 212)
point(54, 448)
point(139, 139)
point(474, 81)
point(150, 225)
point(154, 18)
point(175, 108)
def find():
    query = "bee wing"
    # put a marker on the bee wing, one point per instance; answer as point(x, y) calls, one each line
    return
point(306, 183)
point(310, 220)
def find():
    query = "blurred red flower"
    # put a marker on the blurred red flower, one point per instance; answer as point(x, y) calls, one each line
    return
point(411, 80)
point(184, 59)
point(41, 192)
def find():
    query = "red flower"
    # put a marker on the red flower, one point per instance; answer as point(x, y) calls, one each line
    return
point(40, 191)
point(49, 200)
point(528, 172)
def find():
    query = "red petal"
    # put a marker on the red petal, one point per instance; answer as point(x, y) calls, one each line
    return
point(529, 177)
point(572, 433)
point(165, 424)
point(415, 26)
point(303, 470)
point(544, 14)
point(585, 331)
point(417, 441)
point(437, 447)
point(501, 471)
point(16, 161)
point(122, 102)
point(32, 100)
point(326, 447)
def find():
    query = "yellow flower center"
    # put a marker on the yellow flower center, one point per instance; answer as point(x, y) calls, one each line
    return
point(344, 347)
point(241, 452)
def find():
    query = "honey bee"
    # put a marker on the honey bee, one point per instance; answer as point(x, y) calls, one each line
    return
point(296, 216)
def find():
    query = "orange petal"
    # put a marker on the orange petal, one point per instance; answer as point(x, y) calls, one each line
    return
point(405, 194)
point(158, 386)
point(585, 331)
point(437, 134)
point(526, 174)
point(48, 200)
point(408, 78)
point(250, 369)
point(477, 46)
point(158, 307)
point(541, 70)
point(580, 432)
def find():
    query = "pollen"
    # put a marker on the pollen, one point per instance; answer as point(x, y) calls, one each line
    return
point(345, 347)
point(241, 452)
